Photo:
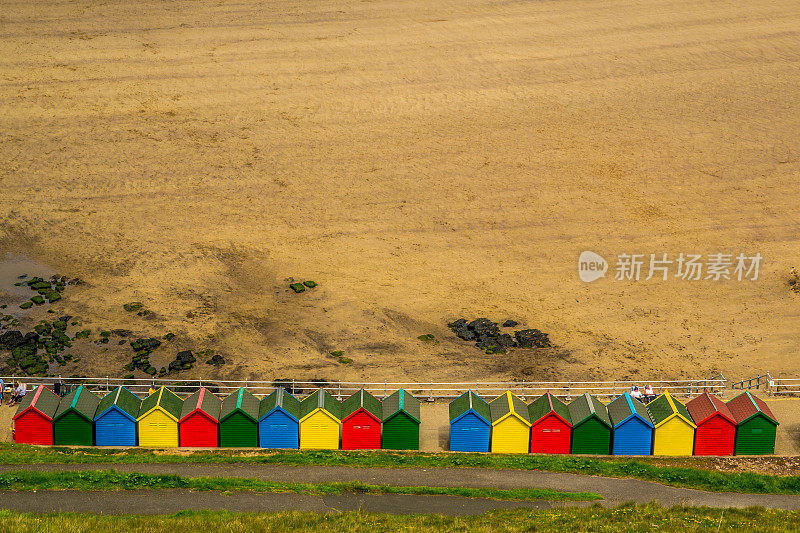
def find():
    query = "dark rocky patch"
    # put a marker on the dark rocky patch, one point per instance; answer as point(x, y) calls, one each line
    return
point(216, 360)
point(488, 338)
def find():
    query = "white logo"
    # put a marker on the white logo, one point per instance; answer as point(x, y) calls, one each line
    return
point(591, 266)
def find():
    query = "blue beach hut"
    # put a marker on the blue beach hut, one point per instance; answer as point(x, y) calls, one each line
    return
point(633, 427)
point(470, 424)
point(115, 420)
point(278, 421)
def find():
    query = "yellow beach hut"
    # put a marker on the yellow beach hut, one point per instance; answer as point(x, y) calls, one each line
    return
point(674, 433)
point(320, 419)
point(158, 419)
point(511, 424)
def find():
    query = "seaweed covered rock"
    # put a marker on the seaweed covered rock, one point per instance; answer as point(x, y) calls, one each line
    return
point(532, 338)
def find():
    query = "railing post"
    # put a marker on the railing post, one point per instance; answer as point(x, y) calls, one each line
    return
point(569, 390)
point(478, 388)
point(339, 395)
point(385, 389)
point(430, 397)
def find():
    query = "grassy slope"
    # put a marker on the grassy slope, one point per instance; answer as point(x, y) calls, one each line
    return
point(112, 480)
point(645, 469)
point(626, 518)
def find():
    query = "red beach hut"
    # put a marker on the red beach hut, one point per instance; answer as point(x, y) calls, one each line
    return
point(199, 422)
point(551, 425)
point(33, 423)
point(716, 427)
point(361, 425)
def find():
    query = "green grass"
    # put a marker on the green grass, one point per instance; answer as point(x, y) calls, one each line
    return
point(622, 519)
point(645, 469)
point(26, 480)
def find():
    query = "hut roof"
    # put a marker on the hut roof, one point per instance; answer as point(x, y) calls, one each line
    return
point(746, 406)
point(401, 400)
point(546, 404)
point(508, 404)
point(241, 400)
point(362, 399)
point(82, 401)
point(280, 397)
point(123, 399)
point(705, 406)
point(586, 406)
point(321, 399)
point(165, 399)
point(624, 407)
point(203, 400)
point(43, 400)
point(665, 407)
point(470, 400)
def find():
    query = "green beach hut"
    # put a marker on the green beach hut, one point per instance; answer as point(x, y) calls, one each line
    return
point(591, 426)
point(238, 420)
point(756, 426)
point(73, 422)
point(401, 419)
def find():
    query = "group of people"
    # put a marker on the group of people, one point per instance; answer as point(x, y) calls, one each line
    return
point(17, 393)
point(646, 397)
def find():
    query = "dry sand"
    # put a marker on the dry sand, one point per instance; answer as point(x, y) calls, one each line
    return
point(421, 161)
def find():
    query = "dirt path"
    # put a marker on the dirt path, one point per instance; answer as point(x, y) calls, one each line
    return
point(614, 491)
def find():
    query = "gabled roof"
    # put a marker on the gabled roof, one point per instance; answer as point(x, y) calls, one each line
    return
point(82, 401)
point(586, 406)
point(43, 400)
point(745, 406)
point(280, 398)
point(506, 405)
point(401, 401)
point(202, 400)
point(164, 400)
point(241, 400)
point(546, 404)
point(705, 406)
point(665, 408)
point(324, 400)
point(470, 401)
point(362, 400)
point(624, 407)
point(122, 399)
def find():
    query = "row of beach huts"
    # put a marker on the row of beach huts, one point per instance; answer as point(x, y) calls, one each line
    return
point(162, 419)
point(706, 425)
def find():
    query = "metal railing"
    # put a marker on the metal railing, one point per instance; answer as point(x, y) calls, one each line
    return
point(753, 383)
point(430, 391)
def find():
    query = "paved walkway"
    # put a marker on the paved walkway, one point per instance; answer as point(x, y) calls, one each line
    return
point(614, 491)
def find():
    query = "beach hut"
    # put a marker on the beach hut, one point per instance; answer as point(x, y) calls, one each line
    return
point(115, 419)
point(755, 425)
point(511, 424)
point(199, 421)
point(674, 428)
point(401, 419)
point(33, 422)
point(157, 423)
point(238, 420)
point(361, 422)
point(319, 423)
point(551, 425)
point(470, 423)
point(279, 420)
point(716, 427)
point(591, 426)
point(73, 423)
point(633, 428)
